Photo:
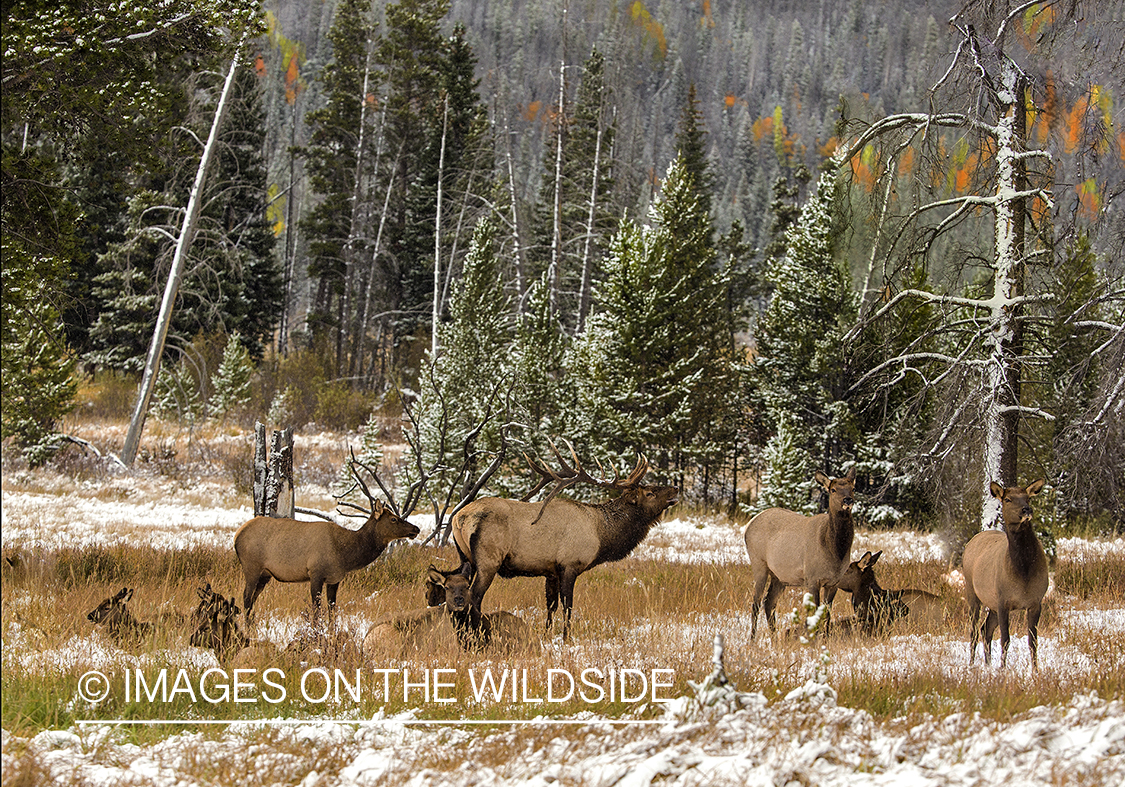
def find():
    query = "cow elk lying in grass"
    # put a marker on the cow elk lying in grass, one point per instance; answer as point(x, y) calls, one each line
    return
point(448, 619)
point(877, 609)
point(216, 625)
point(115, 617)
point(1006, 571)
point(787, 548)
point(320, 553)
point(557, 539)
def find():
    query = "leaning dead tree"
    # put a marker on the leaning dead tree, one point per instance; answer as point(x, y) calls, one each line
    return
point(975, 346)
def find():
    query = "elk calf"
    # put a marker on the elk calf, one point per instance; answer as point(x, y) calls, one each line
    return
point(787, 548)
point(1006, 571)
point(123, 628)
point(320, 553)
point(875, 608)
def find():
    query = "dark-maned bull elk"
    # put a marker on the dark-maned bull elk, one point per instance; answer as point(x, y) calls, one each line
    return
point(320, 553)
point(557, 539)
point(1006, 571)
point(123, 628)
point(876, 608)
point(787, 548)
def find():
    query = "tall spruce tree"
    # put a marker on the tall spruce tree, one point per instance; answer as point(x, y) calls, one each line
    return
point(658, 365)
point(801, 367)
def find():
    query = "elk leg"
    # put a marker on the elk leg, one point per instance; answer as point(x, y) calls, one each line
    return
point(1033, 634)
point(253, 590)
point(759, 590)
point(568, 578)
point(974, 635)
point(477, 590)
point(987, 630)
point(1005, 635)
point(551, 589)
point(316, 584)
point(829, 597)
point(772, 595)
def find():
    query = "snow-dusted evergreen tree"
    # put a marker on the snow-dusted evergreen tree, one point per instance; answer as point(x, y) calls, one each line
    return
point(176, 394)
point(787, 481)
point(801, 366)
point(466, 382)
point(231, 383)
point(536, 363)
point(658, 364)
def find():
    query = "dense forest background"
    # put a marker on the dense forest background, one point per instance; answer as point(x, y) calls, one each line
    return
point(750, 240)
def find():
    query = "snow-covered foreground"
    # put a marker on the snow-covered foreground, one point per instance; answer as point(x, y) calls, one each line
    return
point(805, 738)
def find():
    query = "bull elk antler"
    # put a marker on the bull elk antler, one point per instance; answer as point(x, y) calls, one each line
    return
point(569, 475)
point(342, 502)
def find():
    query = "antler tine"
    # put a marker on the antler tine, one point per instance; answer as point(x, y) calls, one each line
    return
point(366, 490)
point(638, 472)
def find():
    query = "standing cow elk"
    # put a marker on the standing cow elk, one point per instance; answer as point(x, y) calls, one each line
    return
point(876, 608)
point(123, 628)
point(557, 539)
point(787, 548)
point(1006, 571)
point(320, 553)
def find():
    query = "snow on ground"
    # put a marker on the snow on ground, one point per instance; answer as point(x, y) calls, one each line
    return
point(803, 738)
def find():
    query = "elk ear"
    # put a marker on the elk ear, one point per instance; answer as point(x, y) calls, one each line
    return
point(436, 577)
point(875, 557)
point(850, 475)
point(822, 479)
point(996, 490)
point(864, 561)
point(1035, 487)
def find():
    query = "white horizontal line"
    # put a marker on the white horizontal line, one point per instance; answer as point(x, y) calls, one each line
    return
point(370, 722)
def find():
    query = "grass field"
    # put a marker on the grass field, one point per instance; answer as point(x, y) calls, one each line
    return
point(79, 532)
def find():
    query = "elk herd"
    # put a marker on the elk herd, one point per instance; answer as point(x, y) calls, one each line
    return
point(559, 539)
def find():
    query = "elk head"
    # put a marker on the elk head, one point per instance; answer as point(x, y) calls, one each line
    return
point(1015, 503)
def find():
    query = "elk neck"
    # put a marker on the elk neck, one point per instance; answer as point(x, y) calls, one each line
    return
point(621, 527)
point(838, 533)
point(1024, 550)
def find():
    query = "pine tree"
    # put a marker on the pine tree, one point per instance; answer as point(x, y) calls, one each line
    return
point(802, 364)
point(232, 382)
point(660, 365)
point(786, 482)
point(334, 158)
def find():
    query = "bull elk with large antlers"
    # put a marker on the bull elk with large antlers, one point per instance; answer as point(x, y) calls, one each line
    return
point(557, 539)
point(320, 553)
point(787, 548)
point(1006, 571)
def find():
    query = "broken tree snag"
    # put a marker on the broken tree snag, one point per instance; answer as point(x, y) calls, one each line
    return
point(273, 475)
point(260, 469)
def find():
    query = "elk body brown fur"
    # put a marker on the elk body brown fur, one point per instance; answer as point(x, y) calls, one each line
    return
point(1006, 571)
point(558, 540)
point(320, 553)
point(787, 548)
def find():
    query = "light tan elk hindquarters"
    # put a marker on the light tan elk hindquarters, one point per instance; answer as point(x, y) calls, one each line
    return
point(557, 539)
point(320, 553)
point(1006, 571)
point(790, 549)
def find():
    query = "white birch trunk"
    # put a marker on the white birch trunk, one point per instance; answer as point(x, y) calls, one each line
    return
point(437, 236)
point(556, 234)
point(587, 263)
point(1003, 329)
point(175, 275)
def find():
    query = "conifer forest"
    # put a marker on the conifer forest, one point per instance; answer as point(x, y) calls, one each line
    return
point(748, 240)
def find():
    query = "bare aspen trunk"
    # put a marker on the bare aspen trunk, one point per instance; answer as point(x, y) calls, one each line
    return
point(1005, 336)
point(556, 233)
point(587, 262)
point(175, 275)
point(437, 234)
point(519, 252)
